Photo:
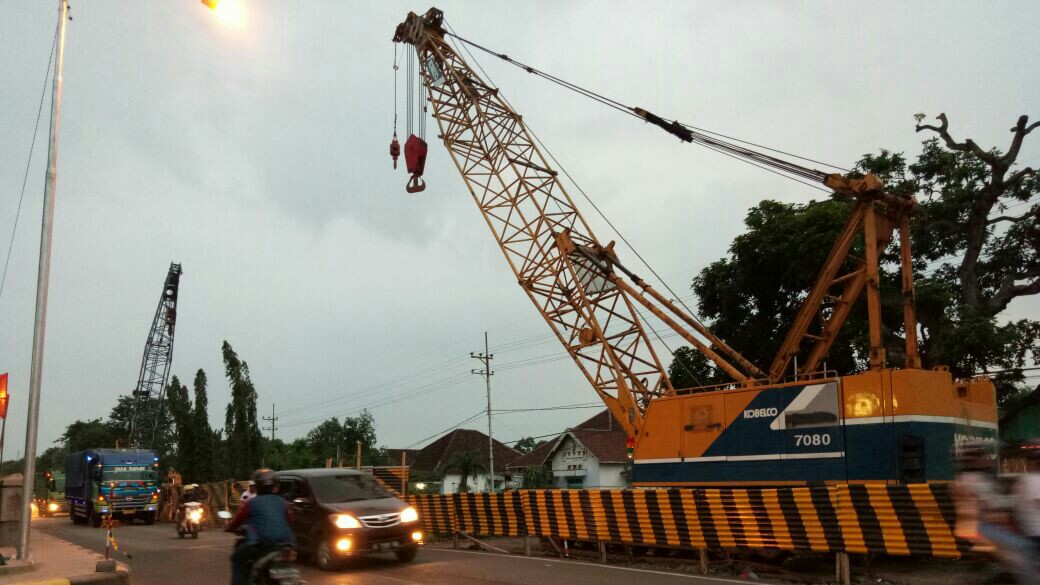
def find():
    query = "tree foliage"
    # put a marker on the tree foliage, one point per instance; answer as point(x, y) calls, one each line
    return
point(243, 448)
point(90, 434)
point(537, 477)
point(973, 256)
point(332, 437)
point(527, 444)
point(468, 465)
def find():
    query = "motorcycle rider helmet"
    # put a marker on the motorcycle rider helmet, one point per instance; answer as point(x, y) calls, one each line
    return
point(264, 480)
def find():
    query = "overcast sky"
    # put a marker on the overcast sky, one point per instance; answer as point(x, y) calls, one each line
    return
point(256, 156)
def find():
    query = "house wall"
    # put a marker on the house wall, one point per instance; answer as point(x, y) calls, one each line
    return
point(477, 483)
point(1024, 425)
point(572, 465)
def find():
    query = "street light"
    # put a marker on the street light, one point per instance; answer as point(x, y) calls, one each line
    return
point(230, 13)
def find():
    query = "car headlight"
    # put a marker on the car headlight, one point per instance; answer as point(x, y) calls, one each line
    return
point(409, 515)
point(345, 521)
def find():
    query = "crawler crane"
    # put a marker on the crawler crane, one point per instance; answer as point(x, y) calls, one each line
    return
point(791, 424)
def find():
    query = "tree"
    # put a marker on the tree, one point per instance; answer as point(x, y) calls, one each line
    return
point(89, 434)
point(180, 409)
point(243, 448)
point(294, 455)
point(468, 464)
point(973, 256)
point(331, 436)
point(537, 477)
point(154, 428)
point(206, 441)
point(691, 368)
point(527, 444)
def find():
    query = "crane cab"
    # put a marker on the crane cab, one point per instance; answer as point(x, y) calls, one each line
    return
point(888, 426)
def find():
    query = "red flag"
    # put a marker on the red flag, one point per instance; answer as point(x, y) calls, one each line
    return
point(3, 396)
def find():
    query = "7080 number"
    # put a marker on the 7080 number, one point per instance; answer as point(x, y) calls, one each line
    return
point(812, 440)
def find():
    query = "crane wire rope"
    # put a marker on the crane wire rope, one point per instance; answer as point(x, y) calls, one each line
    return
point(28, 162)
point(621, 107)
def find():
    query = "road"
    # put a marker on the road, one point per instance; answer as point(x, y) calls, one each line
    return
point(160, 558)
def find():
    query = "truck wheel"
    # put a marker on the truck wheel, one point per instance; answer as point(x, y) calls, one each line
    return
point(149, 518)
point(95, 519)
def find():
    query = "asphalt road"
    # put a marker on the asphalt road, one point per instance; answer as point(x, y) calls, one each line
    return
point(160, 558)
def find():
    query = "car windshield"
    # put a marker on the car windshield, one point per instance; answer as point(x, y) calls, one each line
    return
point(347, 488)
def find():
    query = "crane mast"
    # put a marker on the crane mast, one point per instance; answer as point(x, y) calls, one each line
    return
point(561, 265)
point(155, 363)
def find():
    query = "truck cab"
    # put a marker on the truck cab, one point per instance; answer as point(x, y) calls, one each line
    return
point(122, 483)
point(49, 493)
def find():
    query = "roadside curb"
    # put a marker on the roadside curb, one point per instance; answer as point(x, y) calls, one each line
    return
point(15, 566)
point(120, 577)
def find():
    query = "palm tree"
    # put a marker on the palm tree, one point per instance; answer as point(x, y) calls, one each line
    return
point(467, 464)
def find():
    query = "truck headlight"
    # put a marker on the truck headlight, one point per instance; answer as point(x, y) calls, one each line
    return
point(409, 515)
point(52, 507)
point(345, 521)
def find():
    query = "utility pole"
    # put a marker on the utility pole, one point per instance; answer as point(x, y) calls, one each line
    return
point(271, 419)
point(486, 358)
point(42, 286)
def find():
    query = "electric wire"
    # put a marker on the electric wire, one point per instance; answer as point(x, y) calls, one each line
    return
point(449, 429)
point(28, 162)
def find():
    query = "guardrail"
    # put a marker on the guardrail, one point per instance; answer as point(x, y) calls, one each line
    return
point(894, 520)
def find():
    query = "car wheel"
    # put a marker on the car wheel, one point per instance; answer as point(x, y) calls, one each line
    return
point(325, 558)
point(407, 555)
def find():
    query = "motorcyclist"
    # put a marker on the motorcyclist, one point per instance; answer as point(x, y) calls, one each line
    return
point(264, 521)
point(189, 493)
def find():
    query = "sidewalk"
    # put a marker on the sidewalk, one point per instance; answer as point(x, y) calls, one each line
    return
point(55, 561)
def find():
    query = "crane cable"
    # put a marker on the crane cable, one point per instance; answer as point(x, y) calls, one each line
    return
point(686, 132)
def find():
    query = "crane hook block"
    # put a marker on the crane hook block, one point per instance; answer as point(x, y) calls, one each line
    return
point(415, 161)
point(395, 150)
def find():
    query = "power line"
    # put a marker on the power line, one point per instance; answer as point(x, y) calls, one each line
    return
point(561, 407)
point(32, 147)
point(451, 428)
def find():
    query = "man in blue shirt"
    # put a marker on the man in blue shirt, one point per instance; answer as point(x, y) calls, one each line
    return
point(265, 522)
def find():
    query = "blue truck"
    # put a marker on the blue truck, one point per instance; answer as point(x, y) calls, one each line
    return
point(120, 482)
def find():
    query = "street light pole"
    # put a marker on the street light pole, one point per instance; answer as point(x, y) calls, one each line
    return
point(43, 282)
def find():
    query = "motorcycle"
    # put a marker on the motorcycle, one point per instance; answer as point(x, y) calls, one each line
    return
point(275, 565)
point(191, 520)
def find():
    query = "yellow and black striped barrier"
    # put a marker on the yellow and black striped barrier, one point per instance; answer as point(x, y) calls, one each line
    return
point(895, 520)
